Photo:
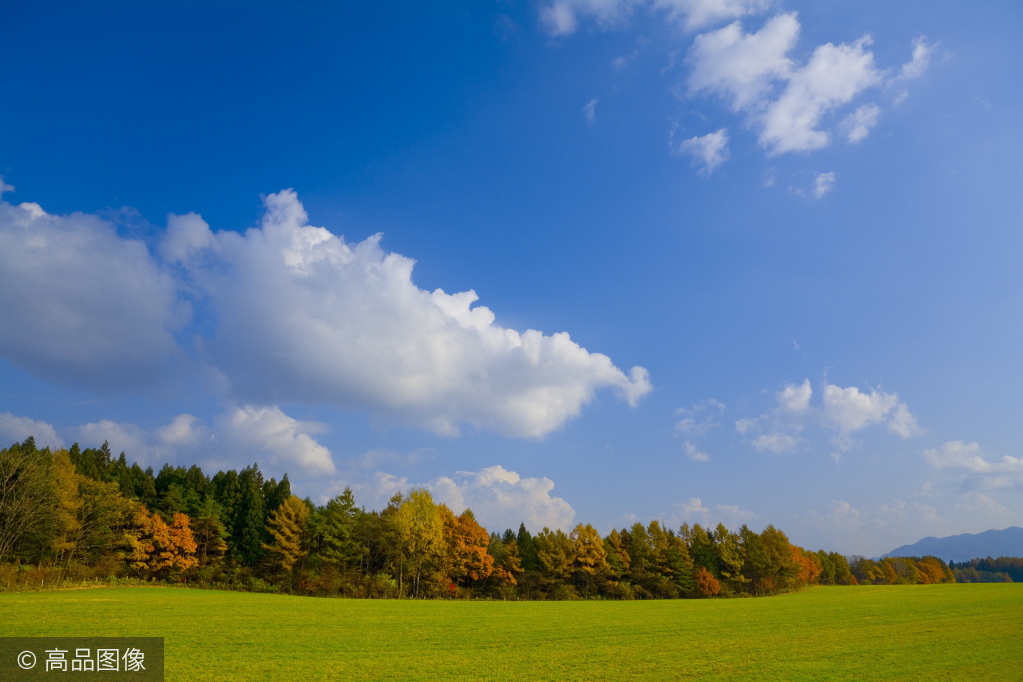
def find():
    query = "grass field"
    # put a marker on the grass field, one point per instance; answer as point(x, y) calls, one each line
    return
point(925, 632)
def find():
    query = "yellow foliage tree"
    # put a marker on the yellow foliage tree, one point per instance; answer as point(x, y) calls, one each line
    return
point(68, 507)
point(590, 556)
point(287, 526)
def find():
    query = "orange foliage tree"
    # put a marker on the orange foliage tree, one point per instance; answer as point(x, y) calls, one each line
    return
point(706, 583)
point(158, 549)
point(467, 542)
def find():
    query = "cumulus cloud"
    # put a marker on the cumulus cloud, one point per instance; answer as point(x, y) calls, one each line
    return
point(743, 67)
point(845, 411)
point(967, 458)
point(694, 453)
point(502, 499)
point(138, 444)
point(794, 399)
point(856, 126)
point(786, 101)
point(244, 434)
point(849, 410)
point(327, 322)
point(791, 104)
point(709, 151)
point(833, 77)
point(298, 315)
point(81, 304)
point(285, 441)
point(17, 429)
point(590, 111)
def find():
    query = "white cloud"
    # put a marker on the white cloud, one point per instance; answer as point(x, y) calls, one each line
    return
point(856, 126)
point(694, 505)
point(502, 499)
point(138, 444)
point(743, 67)
point(242, 434)
point(184, 431)
point(778, 443)
point(920, 61)
point(327, 322)
point(81, 304)
point(562, 17)
point(4, 187)
point(833, 77)
point(17, 429)
point(823, 183)
point(710, 150)
point(699, 418)
point(375, 493)
point(744, 425)
point(849, 410)
point(700, 13)
point(968, 458)
point(285, 441)
point(875, 530)
point(186, 235)
point(794, 399)
point(903, 423)
point(694, 453)
point(300, 315)
point(694, 511)
point(746, 68)
point(590, 111)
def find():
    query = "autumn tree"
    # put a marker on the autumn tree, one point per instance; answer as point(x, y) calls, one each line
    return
point(287, 527)
point(420, 536)
point(466, 543)
point(68, 504)
point(158, 549)
point(706, 584)
point(590, 565)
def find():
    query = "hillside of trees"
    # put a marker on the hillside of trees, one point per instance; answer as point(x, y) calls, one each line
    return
point(74, 516)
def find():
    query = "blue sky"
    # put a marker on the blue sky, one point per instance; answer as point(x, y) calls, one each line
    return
point(564, 261)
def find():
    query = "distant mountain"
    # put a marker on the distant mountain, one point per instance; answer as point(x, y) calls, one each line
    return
point(990, 543)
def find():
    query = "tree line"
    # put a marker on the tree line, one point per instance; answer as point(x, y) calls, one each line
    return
point(80, 515)
point(1001, 570)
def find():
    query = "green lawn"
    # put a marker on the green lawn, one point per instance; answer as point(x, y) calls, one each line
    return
point(925, 632)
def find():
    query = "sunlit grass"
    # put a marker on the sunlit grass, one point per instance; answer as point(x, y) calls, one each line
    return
point(912, 632)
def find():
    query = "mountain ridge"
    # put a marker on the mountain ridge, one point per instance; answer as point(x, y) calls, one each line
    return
point(966, 546)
